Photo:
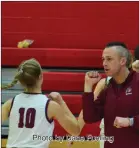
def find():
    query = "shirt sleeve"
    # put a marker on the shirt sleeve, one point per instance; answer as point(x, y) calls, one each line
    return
point(93, 111)
point(136, 122)
point(136, 118)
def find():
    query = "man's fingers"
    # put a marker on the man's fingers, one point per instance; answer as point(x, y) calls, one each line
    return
point(92, 74)
point(99, 76)
point(116, 123)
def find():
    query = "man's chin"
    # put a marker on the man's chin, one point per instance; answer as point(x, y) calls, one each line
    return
point(108, 74)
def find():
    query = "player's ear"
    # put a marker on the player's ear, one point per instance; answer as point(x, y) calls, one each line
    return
point(41, 76)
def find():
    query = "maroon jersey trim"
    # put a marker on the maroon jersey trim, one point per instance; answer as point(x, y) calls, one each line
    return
point(46, 108)
point(11, 106)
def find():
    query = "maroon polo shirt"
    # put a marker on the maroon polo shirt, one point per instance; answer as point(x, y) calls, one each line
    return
point(116, 100)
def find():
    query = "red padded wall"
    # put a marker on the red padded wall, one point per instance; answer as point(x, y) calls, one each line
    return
point(70, 24)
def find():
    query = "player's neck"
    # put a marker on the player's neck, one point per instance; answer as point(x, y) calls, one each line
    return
point(122, 75)
point(33, 90)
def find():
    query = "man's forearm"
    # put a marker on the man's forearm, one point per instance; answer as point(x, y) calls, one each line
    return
point(92, 112)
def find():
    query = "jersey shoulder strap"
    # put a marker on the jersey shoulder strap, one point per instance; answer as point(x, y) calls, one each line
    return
point(11, 105)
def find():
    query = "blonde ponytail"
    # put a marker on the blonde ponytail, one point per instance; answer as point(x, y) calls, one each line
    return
point(7, 86)
point(15, 80)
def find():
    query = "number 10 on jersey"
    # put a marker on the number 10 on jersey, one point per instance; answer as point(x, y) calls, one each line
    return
point(29, 117)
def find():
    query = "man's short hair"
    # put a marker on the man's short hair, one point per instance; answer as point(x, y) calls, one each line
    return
point(121, 48)
point(111, 44)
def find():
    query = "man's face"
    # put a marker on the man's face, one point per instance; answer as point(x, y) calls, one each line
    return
point(111, 61)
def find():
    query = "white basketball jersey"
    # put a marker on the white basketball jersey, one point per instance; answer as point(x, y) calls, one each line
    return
point(29, 125)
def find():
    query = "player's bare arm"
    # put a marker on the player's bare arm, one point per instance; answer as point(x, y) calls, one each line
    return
point(6, 110)
point(64, 117)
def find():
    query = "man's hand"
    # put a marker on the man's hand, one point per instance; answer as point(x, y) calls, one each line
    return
point(120, 122)
point(91, 78)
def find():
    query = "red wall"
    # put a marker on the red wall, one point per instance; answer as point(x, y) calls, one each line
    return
point(70, 24)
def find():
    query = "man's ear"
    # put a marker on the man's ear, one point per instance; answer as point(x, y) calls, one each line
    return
point(123, 61)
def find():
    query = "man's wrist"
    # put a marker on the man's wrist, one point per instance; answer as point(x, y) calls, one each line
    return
point(88, 88)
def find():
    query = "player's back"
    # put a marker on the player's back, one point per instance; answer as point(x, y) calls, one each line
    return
point(29, 125)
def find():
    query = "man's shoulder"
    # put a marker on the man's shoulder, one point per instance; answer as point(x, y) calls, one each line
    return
point(136, 75)
point(135, 79)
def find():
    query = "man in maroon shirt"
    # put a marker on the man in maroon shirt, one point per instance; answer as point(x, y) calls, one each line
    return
point(118, 104)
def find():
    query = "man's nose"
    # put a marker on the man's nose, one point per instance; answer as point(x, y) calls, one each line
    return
point(104, 63)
